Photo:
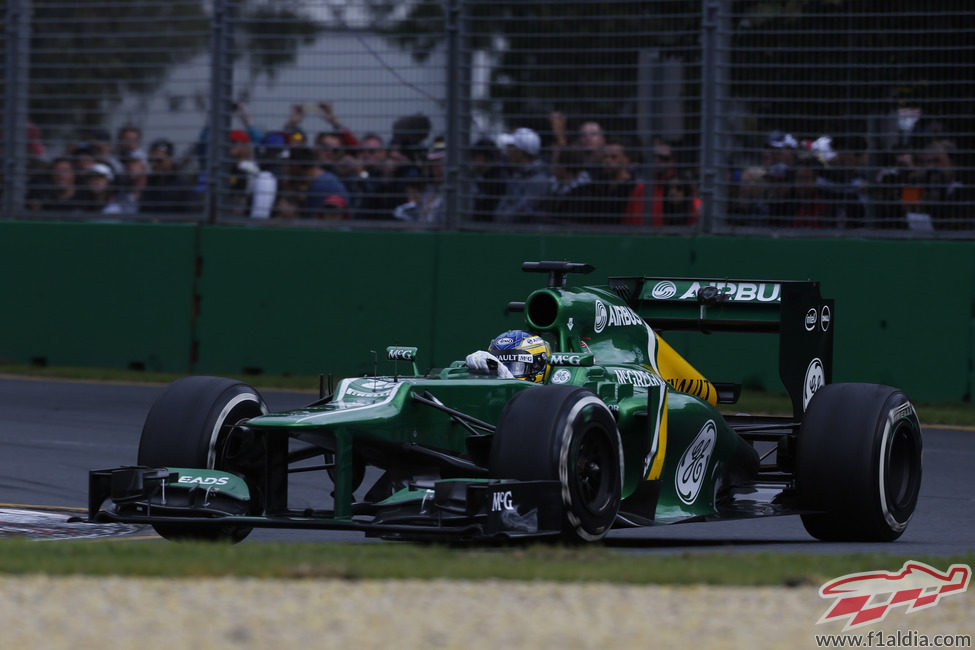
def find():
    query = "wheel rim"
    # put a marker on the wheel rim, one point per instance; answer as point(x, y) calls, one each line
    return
point(593, 470)
point(238, 450)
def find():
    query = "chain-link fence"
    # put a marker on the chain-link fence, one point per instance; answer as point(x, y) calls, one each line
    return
point(793, 117)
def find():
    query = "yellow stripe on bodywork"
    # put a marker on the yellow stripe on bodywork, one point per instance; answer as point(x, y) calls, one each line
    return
point(681, 375)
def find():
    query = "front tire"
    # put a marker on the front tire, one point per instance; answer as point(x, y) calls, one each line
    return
point(189, 426)
point(859, 463)
point(564, 433)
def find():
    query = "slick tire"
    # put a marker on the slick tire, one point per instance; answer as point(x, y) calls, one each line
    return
point(189, 426)
point(859, 463)
point(564, 433)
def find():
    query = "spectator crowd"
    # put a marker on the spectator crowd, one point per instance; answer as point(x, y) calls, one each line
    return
point(841, 183)
point(581, 175)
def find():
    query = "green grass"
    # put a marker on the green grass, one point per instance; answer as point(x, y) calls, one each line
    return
point(943, 413)
point(402, 561)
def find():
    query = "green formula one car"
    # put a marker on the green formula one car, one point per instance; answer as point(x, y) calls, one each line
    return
point(618, 430)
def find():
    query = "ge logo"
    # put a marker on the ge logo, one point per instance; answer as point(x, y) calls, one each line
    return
point(695, 470)
point(690, 473)
point(561, 376)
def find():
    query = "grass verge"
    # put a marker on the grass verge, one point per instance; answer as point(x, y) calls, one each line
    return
point(403, 561)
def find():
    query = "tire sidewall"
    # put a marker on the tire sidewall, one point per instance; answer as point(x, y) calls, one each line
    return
point(183, 426)
point(588, 416)
point(898, 435)
point(846, 444)
point(538, 437)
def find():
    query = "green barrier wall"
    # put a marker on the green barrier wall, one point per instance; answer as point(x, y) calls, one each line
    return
point(99, 295)
point(288, 300)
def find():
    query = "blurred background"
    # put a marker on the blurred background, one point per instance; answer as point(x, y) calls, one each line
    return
point(790, 118)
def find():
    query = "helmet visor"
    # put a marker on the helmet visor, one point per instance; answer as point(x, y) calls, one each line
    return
point(520, 364)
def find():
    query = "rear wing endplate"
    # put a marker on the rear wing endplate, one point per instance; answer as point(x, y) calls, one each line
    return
point(794, 310)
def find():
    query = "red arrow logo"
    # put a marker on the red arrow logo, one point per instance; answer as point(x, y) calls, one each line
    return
point(865, 598)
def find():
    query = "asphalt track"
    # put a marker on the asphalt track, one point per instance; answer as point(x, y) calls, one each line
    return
point(53, 432)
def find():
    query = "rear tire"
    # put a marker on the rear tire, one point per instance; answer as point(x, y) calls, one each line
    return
point(189, 426)
point(859, 463)
point(564, 433)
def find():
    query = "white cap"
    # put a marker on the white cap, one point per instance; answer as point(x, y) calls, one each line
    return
point(103, 170)
point(822, 148)
point(524, 139)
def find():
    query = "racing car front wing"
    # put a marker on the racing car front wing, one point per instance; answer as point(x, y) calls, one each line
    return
point(468, 509)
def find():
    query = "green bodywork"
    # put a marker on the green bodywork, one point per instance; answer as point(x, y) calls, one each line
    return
point(599, 342)
point(208, 479)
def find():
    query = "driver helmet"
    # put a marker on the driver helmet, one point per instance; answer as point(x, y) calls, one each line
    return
point(524, 354)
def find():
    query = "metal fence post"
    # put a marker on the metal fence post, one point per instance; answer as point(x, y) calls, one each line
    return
point(221, 105)
point(17, 30)
point(709, 77)
point(720, 116)
point(453, 24)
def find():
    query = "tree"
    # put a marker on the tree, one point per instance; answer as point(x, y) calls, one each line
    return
point(799, 65)
point(85, 56)
point(581, 58)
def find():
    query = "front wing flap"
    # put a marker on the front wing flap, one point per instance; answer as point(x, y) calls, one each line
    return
point(471, 509)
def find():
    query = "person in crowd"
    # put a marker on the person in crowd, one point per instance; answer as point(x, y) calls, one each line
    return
point(130, 187)
point(83, 157)
point(406, 168)
point(167, 189)
point(748, 206)
point(897, 189)
point(345, 135)
point(433, 208)
point(375, 194)
point(944, 197)
point(811, 209)
point(488, 177)
point(97, 189)
point(413, 185)
point(572, 194)
point(270, 158)
point(590, 140)
point(529, 180)
point(56, 190)
point(309, 191)
point(620, 192)
point(664, 174)
point(128, 144)
point(241, 112)
point(407, 156)
point(36, 151)
point(243, 171)
point(330, 146)
point(779, 154)
point(680, 205)
point(329, 151)
point(844, 180)
point(100, 144)
point(779, 161)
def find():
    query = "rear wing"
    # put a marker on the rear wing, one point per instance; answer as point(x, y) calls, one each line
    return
point(794, 310)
